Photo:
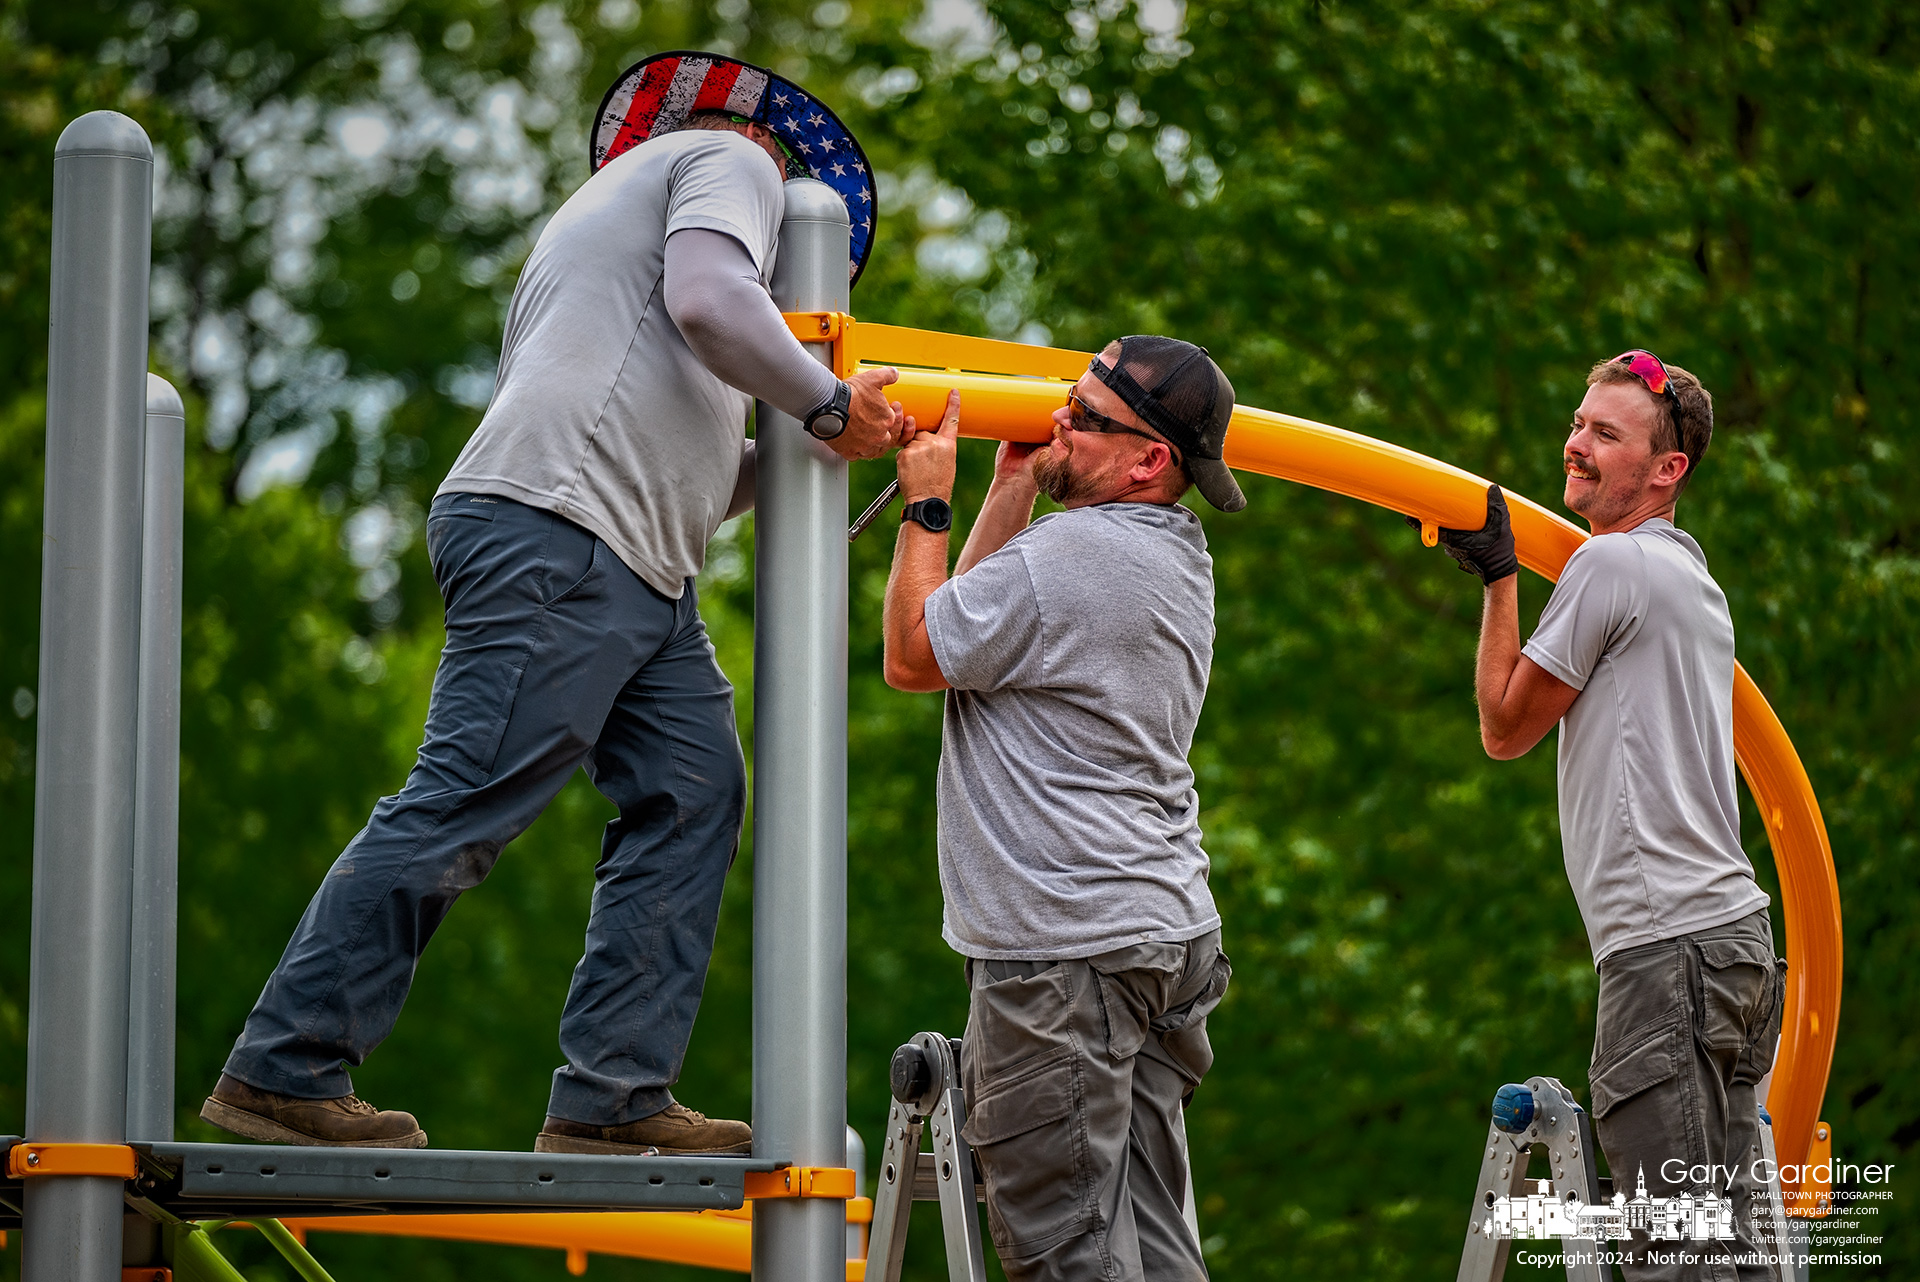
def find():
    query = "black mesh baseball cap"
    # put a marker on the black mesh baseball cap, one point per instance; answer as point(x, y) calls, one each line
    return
point(1179, 392)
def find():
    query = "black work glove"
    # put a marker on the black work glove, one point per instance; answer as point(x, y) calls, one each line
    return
point(1488, 551)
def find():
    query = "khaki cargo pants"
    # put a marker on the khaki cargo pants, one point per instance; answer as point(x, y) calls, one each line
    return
point(1075, 1075)
point(1686, 1029)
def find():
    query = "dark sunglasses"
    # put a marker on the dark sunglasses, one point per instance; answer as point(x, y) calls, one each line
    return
point(1082, 417)
point(1650, 370)
point(795, 169)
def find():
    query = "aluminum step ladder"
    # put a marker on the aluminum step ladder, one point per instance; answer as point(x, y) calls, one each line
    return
point(928, 1104)
point(925, 1079)
point(1542, 1113)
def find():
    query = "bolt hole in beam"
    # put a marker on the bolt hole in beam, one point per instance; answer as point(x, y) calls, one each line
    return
point(1010, 391)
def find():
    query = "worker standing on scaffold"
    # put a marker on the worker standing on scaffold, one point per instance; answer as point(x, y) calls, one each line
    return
point(1634, 658)
point(565, 542)
point(1076, 650)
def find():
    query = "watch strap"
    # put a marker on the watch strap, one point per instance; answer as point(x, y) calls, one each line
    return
point(839, 405)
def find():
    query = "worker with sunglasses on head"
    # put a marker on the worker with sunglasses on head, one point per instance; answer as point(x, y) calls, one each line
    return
point(1633, 658)
point(1075, 651)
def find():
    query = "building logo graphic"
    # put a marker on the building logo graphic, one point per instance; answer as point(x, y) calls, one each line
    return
point(1702, 1217)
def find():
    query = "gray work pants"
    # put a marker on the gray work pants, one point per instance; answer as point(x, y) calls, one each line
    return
point(1075, 1074)
point(558, 656)
point(1686, 1028)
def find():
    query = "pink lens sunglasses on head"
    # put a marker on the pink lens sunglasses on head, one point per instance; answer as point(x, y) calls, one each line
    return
point(1649, 369)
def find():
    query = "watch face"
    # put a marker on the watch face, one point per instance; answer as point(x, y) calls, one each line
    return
point(826, 425)
point(935, 514)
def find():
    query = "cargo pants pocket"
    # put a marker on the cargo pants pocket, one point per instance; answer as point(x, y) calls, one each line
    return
point(1732, 992)
point(1198, 1007)
point(1757, 1058)
point(1028, 1130)
point(473, 699)
point(1647, 1065)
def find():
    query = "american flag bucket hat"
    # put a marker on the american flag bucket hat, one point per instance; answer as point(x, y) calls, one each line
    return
point(657, 95)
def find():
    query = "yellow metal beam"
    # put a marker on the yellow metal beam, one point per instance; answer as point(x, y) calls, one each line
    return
point(710, 1239)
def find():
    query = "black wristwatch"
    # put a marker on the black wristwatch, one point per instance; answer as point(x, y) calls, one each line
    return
point(933, 514)
point(827, 422)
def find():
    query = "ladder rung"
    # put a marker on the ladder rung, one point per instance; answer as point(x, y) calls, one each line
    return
point(926, 1180)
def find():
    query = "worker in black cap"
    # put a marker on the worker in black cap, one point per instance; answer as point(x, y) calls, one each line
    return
point(1075, 650)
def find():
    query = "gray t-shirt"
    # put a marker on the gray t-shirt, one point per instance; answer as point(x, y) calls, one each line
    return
point(1078, 655)
point(602, 413)
point(1649, 820)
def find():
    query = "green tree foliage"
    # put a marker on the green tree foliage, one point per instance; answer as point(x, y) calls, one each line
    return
point(1419, 222)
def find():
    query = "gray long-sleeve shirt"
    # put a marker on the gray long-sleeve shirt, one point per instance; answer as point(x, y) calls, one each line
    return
point(716, 299)
point(640, 331)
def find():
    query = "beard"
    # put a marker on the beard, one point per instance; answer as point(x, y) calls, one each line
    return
point(1581, 499)
point(1059, 480)
point(1601, 504)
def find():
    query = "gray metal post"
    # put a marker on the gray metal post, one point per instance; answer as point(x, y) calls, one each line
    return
point(800, 781)
point(156, 793)
point(857, 1159)
point(89, 686)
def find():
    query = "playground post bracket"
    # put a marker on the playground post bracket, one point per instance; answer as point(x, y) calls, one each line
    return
point(30, 1161)
point(836, 1183)
point(835, 328)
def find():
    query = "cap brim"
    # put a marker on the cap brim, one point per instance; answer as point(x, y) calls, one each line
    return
point(818, 139)
point(1214, 479)
point(658, 93)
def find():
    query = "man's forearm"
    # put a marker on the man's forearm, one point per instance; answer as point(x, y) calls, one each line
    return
point(919, 568)
point(1498, 657)
point(1007, 510)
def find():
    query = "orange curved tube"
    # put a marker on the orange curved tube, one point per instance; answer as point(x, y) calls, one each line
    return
point(1017, 404)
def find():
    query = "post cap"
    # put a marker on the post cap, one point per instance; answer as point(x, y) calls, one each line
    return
point(811, 201)
point(104, 133)
point(162, 400)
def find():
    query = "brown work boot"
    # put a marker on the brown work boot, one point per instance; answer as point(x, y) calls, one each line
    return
point(675, 1131)
point(348, 1122)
